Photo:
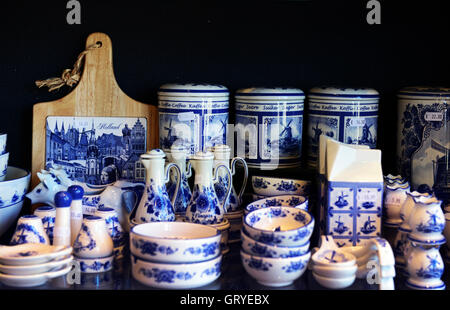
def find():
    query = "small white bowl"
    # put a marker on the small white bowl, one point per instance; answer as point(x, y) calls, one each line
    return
point(335, 272)
point(32, 280)
point(95, 265)
point(275, 272)
point(334, 283)
point(14, 187)
point(269, 186)
point(253, 247)
point(175, 242)
point(175, 275)
point(36, 269)
point(296, 201)
point(31, 253)
point(282, 226)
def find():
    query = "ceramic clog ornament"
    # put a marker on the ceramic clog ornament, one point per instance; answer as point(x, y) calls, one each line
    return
point(155, 204)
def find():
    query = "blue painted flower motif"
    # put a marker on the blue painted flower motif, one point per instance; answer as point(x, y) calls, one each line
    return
point(300, 217)
point(163, 275)
point(260, 183)
point(78, 246)
point(286, 186)
point(277, 213)
point(258, 264)
point(152, 248)
point(206, 249)
point(293, 266)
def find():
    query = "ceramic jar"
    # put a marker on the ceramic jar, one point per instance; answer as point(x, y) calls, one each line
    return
point(269, 125)
point(423, 137)
point(93, 240)
point(47, 214)
point(348, 115)
point(29, 229)
point(427, 221)
point(204, 207)
point(155, 204)
point(394, 196)
point(178, 155)
point(194, 115)
point(425, 268)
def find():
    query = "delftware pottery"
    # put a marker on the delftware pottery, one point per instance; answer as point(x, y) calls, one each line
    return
point(282, 226)
point(427, 221)
point(14, 187)
point(47, 214)
point(335, 272)
point(253, 247)
point(32, 280)
point(275, 272)
point(38, 268)
point(29, 229)
point(423, 137)
point(95, 264)
point(3, 166)
point(299, 202)
point(425, 268)
point(259, 197)
point(270, 186)
point(193, 115)
point(155, 204)
point(329, 254)
point(114, 229)
point(407, 208)
point(62, 230)
point(269, 125)
point(236, 223)
point(394, 197)
point(447, 234)
point(175, 275)
point(389, 179)
point(76, 210)
point(178, 155)
point(175, 242)
point(222, 157)
point(9, 215)
point(334, 283)
point(224, 228)
point(93, 240)
point(205, 207)
point(3, 138)
point(348, 115)
point(31, 254)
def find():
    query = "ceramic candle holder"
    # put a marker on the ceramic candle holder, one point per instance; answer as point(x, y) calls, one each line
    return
point(3, 166)
point(47, 215)
point(115, 230)
point(29, 229)
point(427, 221)
point(425, 268)
point(394, 197)
point(3, 138)
point(93, 240)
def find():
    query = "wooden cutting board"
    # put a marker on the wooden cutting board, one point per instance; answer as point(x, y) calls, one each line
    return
point(97, 94)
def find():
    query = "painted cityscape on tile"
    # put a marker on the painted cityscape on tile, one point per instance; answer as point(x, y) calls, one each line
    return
point(97, 150)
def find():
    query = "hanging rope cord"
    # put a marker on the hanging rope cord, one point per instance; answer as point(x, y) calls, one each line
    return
point(69, 77)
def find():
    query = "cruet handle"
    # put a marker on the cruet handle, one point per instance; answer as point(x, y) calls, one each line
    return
point(167, 178)
point(188, 170)
point(233, 171)
point(230, 183)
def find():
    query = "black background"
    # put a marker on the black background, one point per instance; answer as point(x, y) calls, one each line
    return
point(237, 44)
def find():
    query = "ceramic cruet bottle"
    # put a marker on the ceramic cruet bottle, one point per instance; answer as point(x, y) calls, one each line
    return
point(178, 155)
point(155, 205)
point(204, 207)
point(222, 157)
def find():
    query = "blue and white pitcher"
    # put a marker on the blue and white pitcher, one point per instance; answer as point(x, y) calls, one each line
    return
point(178, 155)
point(155, 205)
point(204, 207)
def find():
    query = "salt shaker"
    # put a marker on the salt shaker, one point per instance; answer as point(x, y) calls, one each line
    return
point(61, 231)
point(76, 210)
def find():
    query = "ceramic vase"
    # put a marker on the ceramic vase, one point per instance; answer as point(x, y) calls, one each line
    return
point(423, 137)
point(155, 205)
point(204, 207)
point(394, 197)
point(427, 221)
point(47, 214)
point(348, 115)
point(29, 229)
point(269, 126)
point(93, 240)
point(425, 268)
point(193, 115)
point(178, 155)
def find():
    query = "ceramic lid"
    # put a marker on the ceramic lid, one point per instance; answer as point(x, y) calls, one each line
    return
point(424, 92)
point(270, 93)
point(221, 151)
point(63, 199)
point(156, 153)
point(193, 90)
point(342, 93)
point(76, 192)
point(202, 156)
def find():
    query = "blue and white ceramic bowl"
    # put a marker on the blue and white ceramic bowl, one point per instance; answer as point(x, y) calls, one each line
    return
point(275, 272)
point(3, 166)
point(175, 242)
point(175, 275)
point(95, 265)
point(296, 201)
point(8, 216)
point(269, 186)
point(282, 226)
point(3, 138)
point(14, 187)
point(253, 247)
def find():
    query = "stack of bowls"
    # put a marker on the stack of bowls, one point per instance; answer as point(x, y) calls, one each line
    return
point(33, 264)
point(175, 255)
point(275, 244)
point(265, 187)
point(295, 201)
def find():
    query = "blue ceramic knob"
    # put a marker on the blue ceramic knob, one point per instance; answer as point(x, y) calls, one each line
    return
point(63, 199)
point(76, 192)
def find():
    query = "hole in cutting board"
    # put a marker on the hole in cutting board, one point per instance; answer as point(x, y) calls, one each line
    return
point(99, 43)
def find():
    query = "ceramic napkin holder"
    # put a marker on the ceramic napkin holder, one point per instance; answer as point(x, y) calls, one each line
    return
point(352, 193)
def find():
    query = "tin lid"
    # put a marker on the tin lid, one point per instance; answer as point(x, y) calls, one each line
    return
point(424, 92)
point(153, 154)
point(193, 90)
point(343, 93)
point(270, 94)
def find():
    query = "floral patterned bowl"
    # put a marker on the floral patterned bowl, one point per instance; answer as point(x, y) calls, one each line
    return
point(275, 272)
point(296, 201)
point(282, 226)
point(268, 186)
point(175, 242)
point(174, 275)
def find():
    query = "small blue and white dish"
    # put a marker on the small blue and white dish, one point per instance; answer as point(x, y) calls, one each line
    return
point(271, 186)
point(296, 201)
